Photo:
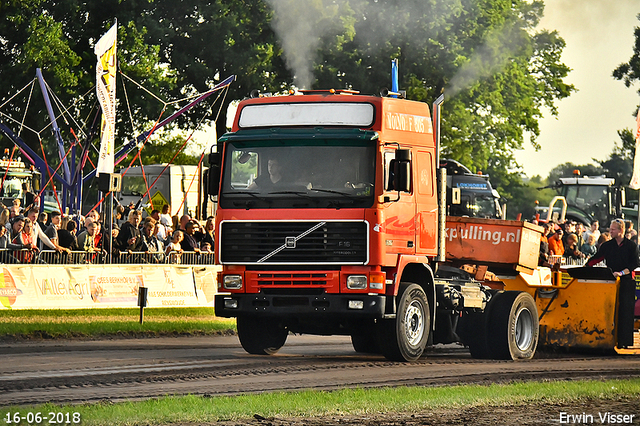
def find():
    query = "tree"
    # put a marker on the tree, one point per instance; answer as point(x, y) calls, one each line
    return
point(568, 169)
point(619, 165)
point(629, 72)
point(496, 72)
point(173, 50)
point(205, 41)
point(526, 195)
point(58, 37)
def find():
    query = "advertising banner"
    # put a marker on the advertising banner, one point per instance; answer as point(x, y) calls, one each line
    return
point(108, 286)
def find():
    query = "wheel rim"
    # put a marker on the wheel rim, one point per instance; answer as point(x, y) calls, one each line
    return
point(414, 323)
point(524, 329)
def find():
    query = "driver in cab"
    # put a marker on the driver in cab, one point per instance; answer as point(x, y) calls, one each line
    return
point(268, 181)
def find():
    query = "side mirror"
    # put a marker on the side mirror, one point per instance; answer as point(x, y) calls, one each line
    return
point(213, 174)
point(400, 168)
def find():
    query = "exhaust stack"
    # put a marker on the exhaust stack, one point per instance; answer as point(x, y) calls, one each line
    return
point(442, 189)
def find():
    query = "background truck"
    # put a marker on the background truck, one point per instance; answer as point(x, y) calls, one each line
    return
point(18, 181)
point(177, 185)
point(470, 194)
point(348, 234)
point(592, 198)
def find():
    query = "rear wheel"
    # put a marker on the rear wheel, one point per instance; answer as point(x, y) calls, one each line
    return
point(405, 337)
point(261, 336)
point(514, 327)
point(472, 329)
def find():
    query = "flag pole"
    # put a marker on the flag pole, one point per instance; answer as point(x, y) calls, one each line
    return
point(635, 179)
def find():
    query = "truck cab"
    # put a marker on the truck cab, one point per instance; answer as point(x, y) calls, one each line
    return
point(470, 194)
point(592, 198)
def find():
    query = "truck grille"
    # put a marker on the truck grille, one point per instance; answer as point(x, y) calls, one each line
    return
point(317, 242)
point(318, 279)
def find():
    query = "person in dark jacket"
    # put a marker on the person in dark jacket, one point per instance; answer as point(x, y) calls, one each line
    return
point(621, 256)
point(67, 234)
point(190, 243)
point(130, 237)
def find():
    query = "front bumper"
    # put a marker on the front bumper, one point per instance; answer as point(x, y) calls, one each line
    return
point(342, 305)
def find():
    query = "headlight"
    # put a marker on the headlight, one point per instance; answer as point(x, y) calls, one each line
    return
point(357, 282)
point(232, 282)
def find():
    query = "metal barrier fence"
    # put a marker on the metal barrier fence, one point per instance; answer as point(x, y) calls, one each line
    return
point(566, 261)
point(17, 256)
point(51, 257)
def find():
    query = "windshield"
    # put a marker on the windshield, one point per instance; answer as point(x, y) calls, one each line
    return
point(483, 206)
point(486, 207)
point(12, 188)
point(136, 185)
point(585, 195)
point(591, 199)
point(298, 174)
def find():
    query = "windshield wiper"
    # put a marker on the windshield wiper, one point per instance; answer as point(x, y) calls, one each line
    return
point(298, 193)
point(331, 191)
point(253, 194)
point(248, 204)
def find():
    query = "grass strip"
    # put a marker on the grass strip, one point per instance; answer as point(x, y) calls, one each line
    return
point(198, 409)
point(74, 323)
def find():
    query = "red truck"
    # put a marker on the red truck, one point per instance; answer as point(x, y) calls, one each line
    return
point(329, 221)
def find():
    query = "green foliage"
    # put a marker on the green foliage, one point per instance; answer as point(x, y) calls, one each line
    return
point(619, 165)
point(163, 151)
point(173, 50)
point(629, 72)
point(567, 170)
point(496, 71)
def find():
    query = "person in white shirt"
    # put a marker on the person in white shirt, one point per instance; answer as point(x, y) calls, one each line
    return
point(161, 228)
point(592, 231)
point(165, 216)
point(38, 233)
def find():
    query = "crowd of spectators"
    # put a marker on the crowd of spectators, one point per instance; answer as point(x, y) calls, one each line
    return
point(570, 242)
point(157, 238)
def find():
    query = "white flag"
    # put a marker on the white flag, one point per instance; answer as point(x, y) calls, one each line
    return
point(106, 89)
point(635, 179)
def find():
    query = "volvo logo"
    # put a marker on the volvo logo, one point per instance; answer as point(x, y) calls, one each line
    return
point(290, 242)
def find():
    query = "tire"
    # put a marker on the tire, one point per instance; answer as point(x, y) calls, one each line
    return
point(260, 336)
point(472, 330)
point(405, 337)
point(365, 342)
point(513, 326)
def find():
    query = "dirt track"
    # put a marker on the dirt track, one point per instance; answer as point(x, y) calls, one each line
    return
point(87, 371)
point(532, 414)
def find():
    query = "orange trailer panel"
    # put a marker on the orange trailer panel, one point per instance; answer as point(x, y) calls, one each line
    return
point(502, 243)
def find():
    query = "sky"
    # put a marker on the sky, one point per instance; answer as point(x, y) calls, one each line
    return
point(599, 36)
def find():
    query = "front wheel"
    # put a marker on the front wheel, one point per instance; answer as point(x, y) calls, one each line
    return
point(365, 342)
point(514, 326)
point(405, 337)
point(261, 336)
